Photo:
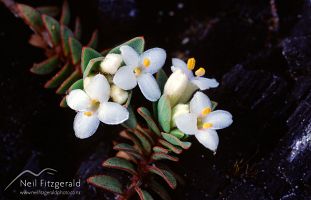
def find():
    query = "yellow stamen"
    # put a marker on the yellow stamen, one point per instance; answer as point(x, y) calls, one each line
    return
point(191, 63)
point(206, 111)
point(207, 125)
point(146, 62)
point(94, 101)
point(137, 71)
point(88, 113)
point(200, 72)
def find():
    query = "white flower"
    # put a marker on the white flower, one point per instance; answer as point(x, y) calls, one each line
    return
point(111, 63)
point(118, 95)
point(201, 82)
point(175, 86)
point(139, 69)
point(202, 122)
point(92, 106)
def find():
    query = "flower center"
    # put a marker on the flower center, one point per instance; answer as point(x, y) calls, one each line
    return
point(191, 63)
point(206, 111)
point(200, 72)
point(88, 113)
point(146, 62)
point(137, 71)
point(204, 125)
point(94, 104)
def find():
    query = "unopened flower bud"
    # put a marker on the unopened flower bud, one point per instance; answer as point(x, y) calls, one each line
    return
point(111, 63)
point(179, 109)
point(118, 95)
point(175, 86)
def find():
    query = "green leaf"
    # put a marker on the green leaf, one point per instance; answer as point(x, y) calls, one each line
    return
point(143, 194)
point(94, 40)
point(78, 28)
point(65, 16)
point(77, 85)
point(167, 176)
point(46, 66)
point(68, 82)
point(164, 156)
point(53, 28)
point(52, 11)
point(63, 102)
point(131, 122)
point(177, 133)
point(145, 113)
point(159, 149)
point(75, 50)
point(159, 189)
point(175, 141)
point(171, 147)
point(129, 98)
point(146, 144)
point(59, 77)
point(65, 34)
point(128, 149)
point(120, 163)
point(161, 79)
point(214, 105)
point(137, 43)
point(31, 17)
point(87, 55)
point(106, 182)
point(164, 113)
point(134, 139)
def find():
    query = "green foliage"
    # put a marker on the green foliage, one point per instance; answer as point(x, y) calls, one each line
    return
point(53, 29)
point(145, 113)
point(59, 77)
point(75, 50)
point(159, 190)
point(164, 113)
point(65, 16)
point(87, 55)
point(46, 66)
point(120, 163)
point(132, 121)
point(161, 79)
point(177, 133)
point(31, 17)
point(137, 43)
point(167, 176)
point(143, 195)
point(106, 182)
point(175, 141)
point(163, 156)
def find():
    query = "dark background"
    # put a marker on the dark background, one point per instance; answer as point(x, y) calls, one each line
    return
point(264, 70)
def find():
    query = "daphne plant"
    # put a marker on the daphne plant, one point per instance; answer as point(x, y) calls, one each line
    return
point(102, 89)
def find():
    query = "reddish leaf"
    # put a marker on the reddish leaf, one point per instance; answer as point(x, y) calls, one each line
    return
point(37, 41)
point(145, 113)
point(65, 34)
point(160, 149)
point(75, 50)
point(134, 139)
point(159, 189)
point(106, 182)
point(63, 103)
point(167, 176)
point(146, 144)
point(170, 146)
point(143, 195)
point(58, 78)
point(175, 141)
point(65, 16)
point(120, 163)
point(46, 66)
point(129, 149)
point(53, 29)
point(164, 156)
point(31, 17)
point(94, 40)
point(68, 82)
point(78, 28)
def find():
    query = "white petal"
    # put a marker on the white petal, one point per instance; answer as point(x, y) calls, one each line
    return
point(209, 138)
point(125, 78)
point(199, 102)
point(149, 86)
point(111, 63)
point(157, 58)
point(112, 113)
point(187, 123)
point(98, 88)
point(85, 126)
point(78, 100)
point(130, 56)
point(219, 119)
point(180, 64)
point(204, 83)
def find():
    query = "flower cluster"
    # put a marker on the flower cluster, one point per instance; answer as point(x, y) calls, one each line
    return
point(104, 94)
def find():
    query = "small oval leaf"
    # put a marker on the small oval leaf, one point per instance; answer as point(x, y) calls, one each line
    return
point(161, 79)
point(59, 77)
point(31, 17)
point(145, 113)
point(159, 149)
point(87, 55)
point(164, 156)
point(94, 40)
point(137, 43)
point(143, 194)
point(65, 34)
point(78, 28)
point(53, 28)
point(159, 189)
point(164, 113)
point(175, 141)
point(171, 147)
point(46, 66)
point(131, 123)
point(120, 163)
point(68, 82)
point(177, 133)
point(75, 50)
point(52, 11)
point(106, 182)
point(167, 176)
point(65, 16)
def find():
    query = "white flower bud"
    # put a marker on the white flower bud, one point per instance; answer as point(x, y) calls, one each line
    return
point(118, 95)
point(179, 109)
point(175, 86)
point(189, 91)
point(111, 63)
